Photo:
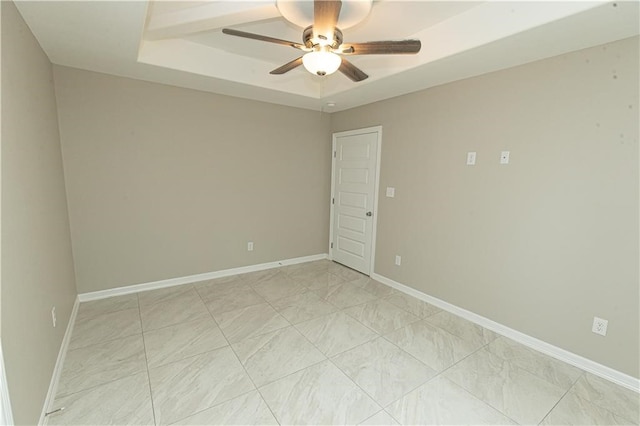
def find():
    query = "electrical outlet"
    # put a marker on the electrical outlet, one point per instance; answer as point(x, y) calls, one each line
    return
point(504, 157)
point(600, 326)
point(398, 260)
point(53, 316)
point(250, 246)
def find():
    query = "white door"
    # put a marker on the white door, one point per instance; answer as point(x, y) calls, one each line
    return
point(354, 189)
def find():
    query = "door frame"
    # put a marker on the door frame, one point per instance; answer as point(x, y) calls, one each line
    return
point(6, 417)
point(376, 188)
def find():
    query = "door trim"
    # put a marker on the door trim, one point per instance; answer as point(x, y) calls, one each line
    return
point(6, 417)
point(376, 188)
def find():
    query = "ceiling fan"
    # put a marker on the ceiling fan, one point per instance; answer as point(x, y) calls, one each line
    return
point(324, 45)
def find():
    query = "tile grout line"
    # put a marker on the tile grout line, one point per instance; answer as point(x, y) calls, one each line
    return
point(241, 365)
point(486, 346)
point(583, 375)
point(438, 373)
point(326, 358)
point(254, 384)
point(330, 360)
point(560, 399)
point(358, 386)
point(378, 335)
point(211, 315)
point(468, 391)
point(146, 358)
point(213, 406)
point(213, 350)
point(98, 385)
point(321, 352)
point(535, 354)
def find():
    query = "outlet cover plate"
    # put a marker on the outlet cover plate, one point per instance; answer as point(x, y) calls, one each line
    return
point(504, 157)
point(600, 326)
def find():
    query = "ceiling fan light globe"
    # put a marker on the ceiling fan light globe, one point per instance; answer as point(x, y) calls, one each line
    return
point(321, 63)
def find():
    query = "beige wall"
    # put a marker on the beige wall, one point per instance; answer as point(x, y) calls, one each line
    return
point(37, 268)
point(166, 182)
point(544, 243)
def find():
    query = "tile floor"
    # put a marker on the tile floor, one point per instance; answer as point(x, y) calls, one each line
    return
point(315, 343)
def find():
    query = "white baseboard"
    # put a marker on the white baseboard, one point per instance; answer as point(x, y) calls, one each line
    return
point(593, 367)
point(57, 370)
point(136, 288)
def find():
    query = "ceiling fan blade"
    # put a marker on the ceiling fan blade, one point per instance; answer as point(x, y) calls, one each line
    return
point(259, 37)
point(325, 17)
point(398, 47)
point(288, 66)
point(351, 71)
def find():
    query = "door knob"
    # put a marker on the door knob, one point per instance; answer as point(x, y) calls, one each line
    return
point(369, 214)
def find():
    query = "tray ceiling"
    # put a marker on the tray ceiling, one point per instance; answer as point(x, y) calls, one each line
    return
point(180, 43)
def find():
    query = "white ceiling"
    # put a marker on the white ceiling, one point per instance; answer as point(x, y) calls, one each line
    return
point(180, 43)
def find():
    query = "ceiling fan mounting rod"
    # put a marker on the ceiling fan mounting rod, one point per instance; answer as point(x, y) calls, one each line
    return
point(308, 38)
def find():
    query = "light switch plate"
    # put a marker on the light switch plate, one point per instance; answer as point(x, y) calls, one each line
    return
point(471, 158)
point(391, 192)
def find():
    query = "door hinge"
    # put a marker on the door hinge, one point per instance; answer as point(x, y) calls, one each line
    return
point(333, 201)
point(331, 245)
point(334, 154)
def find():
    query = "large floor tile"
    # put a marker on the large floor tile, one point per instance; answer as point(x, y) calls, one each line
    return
point(232, 299)
point(412, 305)
point(101, 363)
point(247, 409)
point(271, 356)
point(335, 333)
point(462, 328)
point(374, 287)
point(278, 286)
point(557, 372)
point(441, 402)
point(249, 322)
point(573, 410)
point(518, 394)
point(182, 340)
point(432, 345)
point(161, 295)
point(304, 268)
point(252, 278)
point(212, 289)
point(319, 279)
point(105, 306)
point(125, 401)
point(381, 418)
point(345, 295)
point(382, 370)
point(318, 395)
point(605, 394)
point(183, 388)
point(104, 327)
point(183, 307)
point(302, 307)
point(381, 316)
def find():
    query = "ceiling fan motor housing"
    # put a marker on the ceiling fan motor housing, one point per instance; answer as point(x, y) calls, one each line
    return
point(310, 39)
